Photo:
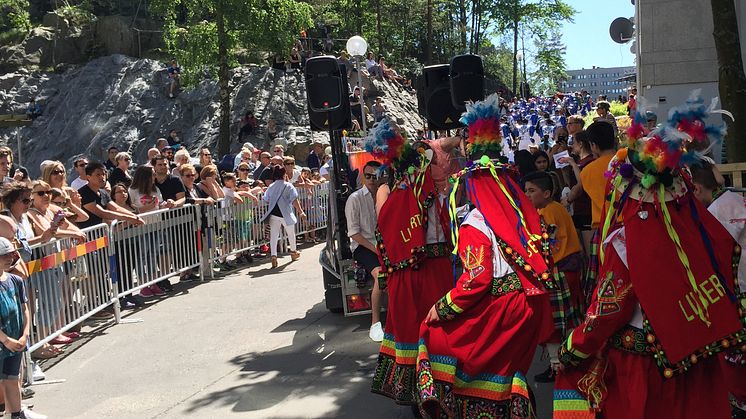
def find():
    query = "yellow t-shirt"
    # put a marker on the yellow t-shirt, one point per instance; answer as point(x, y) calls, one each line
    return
point(566, 238)
point(594, 184)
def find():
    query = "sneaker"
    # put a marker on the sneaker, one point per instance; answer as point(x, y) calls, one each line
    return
point(36, 372)
point(155, 289)
point(546, 376)
point(376, 332)
point(27, 393)
point(165, 285)
point(171, 95)
point(146, 292)
point(264, 249)
point(30, 414)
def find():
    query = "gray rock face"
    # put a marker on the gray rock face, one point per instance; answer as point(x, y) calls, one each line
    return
point(121, 101)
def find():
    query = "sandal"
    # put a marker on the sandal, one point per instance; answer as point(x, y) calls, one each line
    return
point(45, 352)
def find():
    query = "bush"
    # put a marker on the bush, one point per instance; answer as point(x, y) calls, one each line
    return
point(77, 15)
point(14, 16)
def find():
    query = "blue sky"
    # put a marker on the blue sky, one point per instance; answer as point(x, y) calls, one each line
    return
point(587, 39)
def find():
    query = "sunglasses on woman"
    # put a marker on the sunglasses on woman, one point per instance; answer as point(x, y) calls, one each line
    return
point(42, 193)
point(58, 172)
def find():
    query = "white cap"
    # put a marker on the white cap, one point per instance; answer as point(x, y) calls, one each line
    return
point(6, 246)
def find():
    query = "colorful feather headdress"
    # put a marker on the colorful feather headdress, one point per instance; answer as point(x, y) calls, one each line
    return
point(651, 167)
point(483, 121)
point(683, 140)
point(388, 146)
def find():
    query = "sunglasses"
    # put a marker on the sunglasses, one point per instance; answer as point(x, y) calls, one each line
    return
point(126, 159)
point(278, 151)
point(26, 201)
point(189, 175)
point(42, 193)
point(58, 172)
point(371, 176)
point(289, 164)
point(60, 203)
point(207, 154)
point(243, 170)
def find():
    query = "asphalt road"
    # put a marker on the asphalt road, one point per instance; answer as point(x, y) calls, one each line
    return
point(257, 343)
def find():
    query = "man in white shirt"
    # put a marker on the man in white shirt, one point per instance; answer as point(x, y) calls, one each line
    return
point(79, 165)
point(360, 212)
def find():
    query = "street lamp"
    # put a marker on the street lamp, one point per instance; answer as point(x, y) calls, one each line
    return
point(357, 47)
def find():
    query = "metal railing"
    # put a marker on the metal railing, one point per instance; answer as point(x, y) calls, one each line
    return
point(70, 281)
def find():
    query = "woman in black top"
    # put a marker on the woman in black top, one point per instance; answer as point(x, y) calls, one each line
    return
point(120, 174)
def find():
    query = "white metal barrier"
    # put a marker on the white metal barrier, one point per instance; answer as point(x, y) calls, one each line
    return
point(165, 246)
point(70, 282)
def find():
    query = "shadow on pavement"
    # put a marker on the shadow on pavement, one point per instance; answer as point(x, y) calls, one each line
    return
point(325, 372)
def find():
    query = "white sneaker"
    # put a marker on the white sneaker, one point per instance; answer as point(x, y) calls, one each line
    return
point(37, 373)
point(376, 332)
point(30, 414)
point(171, 95)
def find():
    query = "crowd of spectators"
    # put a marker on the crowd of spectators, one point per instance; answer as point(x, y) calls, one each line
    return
point(123, 191)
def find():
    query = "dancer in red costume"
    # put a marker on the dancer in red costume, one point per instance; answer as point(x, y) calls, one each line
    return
point(665, 303)
point(413, 233)
point(478, 340)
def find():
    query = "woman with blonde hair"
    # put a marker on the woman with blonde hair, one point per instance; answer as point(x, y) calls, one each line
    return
point(53, 173)
point(121, 174)
point(209, 182)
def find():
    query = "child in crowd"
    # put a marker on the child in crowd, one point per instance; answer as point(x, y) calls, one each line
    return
point(730, 209)
point(568, 264)
point(15, 327)
point(240, 216)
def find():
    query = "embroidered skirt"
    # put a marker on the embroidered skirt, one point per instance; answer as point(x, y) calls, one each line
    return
point(474, 365)
point(411, 294)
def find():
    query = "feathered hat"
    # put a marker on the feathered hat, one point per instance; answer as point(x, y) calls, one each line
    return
point(387, 145)
point(491, 186)
point(671, 241)
point(483, 123)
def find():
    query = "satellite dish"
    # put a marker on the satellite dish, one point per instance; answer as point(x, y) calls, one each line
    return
point(621, 30)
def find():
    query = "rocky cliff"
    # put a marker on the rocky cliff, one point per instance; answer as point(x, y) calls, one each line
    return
point(122, 101)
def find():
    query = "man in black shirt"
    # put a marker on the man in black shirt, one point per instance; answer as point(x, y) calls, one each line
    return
point(171, 188)
point(97, 203)
point(263, 163)
point(266, 176)
point(110, 162)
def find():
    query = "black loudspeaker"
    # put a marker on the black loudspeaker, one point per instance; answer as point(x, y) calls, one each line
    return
point(467, 80)
point(441, 114)
point(324, 83)
point(337, 119)
point(419, 85)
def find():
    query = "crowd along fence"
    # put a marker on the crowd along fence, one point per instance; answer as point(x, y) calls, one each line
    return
point(71, 281)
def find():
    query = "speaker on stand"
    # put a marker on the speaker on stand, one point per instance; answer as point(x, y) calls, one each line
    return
point(467, 80)
point(328, 97)
point(439, 109)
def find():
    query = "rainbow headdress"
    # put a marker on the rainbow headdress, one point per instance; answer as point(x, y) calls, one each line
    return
point(388, 146)
point(483, 122)
point(651, 168)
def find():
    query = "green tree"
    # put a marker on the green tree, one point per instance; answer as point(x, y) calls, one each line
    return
point(14, 15)
point(550, 63)
point(535, 15)
point(204, 35)
point(732, 81)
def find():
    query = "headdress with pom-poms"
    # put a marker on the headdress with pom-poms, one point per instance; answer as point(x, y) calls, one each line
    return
point(387, 145)
point(483, 123)
point(652, 166)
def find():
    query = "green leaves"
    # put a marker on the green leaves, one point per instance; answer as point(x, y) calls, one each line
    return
point(14, 15)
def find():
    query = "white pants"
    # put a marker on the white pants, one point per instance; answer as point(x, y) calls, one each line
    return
point(274, 233)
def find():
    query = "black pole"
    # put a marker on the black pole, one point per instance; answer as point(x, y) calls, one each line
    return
point(341, 188)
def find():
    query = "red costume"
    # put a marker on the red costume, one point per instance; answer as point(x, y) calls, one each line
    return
point(473, 361)
point(665, 305)
point(416, 270)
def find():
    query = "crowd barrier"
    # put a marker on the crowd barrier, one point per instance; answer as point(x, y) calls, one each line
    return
point(70, 281)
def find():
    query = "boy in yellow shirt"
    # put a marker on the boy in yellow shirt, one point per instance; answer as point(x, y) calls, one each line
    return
point(566, 298)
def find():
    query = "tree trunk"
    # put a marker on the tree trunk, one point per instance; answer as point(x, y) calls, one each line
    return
point(462, 23)
point(429, 32)
point(379, 32)
point(732, 81)
point(224, 138)
point(515, 50)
